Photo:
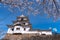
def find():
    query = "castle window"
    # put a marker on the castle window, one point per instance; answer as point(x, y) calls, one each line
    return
point(24, 29)
point(43, 34)
point(12, 29)
point(24, 23)
point(21, 19)
point(17, 28)
point(25, 19)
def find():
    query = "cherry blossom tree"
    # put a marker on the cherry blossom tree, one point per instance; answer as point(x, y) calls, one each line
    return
point(49, 7)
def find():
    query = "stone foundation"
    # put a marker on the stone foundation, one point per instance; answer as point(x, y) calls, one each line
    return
point(31, 37)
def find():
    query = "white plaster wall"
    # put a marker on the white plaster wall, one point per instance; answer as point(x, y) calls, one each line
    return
point(29, 32)
point(26, 23)
point(9, 31)
point(18, 31)
point(36, 32)
point(25, 18)
point(21, 29)
point(27, 29)
point(47, 33)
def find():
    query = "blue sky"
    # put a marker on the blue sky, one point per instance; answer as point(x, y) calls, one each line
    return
point(38, 21)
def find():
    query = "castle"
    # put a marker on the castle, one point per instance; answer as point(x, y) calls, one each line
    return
point(22, 27)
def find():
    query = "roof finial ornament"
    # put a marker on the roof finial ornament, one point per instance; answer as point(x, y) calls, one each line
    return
point(22, 15)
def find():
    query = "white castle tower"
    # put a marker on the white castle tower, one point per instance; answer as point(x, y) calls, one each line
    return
point(22, 28)
point(21, 25)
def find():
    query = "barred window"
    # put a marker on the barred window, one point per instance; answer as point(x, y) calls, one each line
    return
point(17, 28)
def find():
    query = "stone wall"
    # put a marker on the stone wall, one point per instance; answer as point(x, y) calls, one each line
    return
point(31, 37)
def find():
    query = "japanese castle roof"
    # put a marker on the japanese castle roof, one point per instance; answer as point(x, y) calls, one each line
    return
point(22, 15)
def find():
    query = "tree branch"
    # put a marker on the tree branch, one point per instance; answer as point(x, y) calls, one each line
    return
point(56, 6)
